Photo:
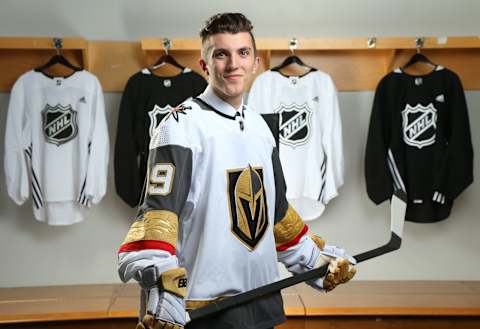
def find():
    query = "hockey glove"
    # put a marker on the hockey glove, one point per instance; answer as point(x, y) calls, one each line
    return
point(340, 268)
point(310, 253)
point(165, 305)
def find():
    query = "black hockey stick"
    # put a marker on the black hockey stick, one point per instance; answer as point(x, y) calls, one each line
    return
point(397, 213)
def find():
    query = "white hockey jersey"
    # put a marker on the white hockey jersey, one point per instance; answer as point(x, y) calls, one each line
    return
point(215, 203)
point(218, 182)
point(56, 145)
point(311, 150)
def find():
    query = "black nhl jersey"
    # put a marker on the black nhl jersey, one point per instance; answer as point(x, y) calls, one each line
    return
point(419, 141)
point(146, 99)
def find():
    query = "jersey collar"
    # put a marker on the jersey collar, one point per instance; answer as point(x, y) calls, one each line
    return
point(219, 105)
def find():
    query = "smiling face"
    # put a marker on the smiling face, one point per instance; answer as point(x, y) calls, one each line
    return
point(230, 62)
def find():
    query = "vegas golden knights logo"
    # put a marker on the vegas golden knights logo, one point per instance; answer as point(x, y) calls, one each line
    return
point(248, 205)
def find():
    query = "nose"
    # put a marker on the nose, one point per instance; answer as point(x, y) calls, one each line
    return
point(233, 62)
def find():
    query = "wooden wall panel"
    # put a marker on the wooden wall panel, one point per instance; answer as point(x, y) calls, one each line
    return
point(113, 62)
point(351, 70)
point(352, 65)
point(15, 62)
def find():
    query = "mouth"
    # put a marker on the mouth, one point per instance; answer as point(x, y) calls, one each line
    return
point(233, 77)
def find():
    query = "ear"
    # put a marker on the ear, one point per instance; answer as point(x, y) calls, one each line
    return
point(203, 66)
point(256, 64)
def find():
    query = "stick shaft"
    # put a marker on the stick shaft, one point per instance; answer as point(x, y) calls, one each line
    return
point(253, 294)
point(397, 208)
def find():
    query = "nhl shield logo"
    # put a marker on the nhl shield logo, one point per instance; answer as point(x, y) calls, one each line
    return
point(59, 123)
point(419, 125)
point(294, 123)
point(248, 205)
point(156, 115)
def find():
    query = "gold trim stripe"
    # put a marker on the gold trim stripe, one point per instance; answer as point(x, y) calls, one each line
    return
point(160, 225)
point(193, 304)
point(288, 228)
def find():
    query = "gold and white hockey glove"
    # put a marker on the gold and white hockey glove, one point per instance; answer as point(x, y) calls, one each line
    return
point(340, 271)
point(340, 266)
point(312, 252)
point(165, 293)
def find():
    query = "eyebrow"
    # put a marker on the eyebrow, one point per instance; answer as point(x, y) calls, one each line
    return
point(227, 50)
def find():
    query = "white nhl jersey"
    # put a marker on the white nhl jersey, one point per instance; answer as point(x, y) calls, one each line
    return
point(56, 145)
point(311, 150)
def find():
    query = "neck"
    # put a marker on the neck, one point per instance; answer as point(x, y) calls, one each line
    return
point(235, 101)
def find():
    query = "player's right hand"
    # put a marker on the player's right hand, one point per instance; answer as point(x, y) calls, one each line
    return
point(165, 310)
point(165, 306)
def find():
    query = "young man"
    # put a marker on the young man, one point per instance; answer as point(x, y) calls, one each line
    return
point(215, 205)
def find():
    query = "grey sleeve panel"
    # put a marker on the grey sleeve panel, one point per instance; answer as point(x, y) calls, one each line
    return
point(281, 203)
point(273, 122)
point(167, 189)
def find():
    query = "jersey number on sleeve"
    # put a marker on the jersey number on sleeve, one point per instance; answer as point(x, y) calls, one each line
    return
point(161, 179)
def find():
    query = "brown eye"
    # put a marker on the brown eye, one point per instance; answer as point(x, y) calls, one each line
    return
point(220, 54)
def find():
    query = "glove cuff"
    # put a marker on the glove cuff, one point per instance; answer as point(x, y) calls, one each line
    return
point(174, 281)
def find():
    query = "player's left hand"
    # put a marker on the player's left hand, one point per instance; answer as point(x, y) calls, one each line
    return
point(340, 266)
point(340, 271)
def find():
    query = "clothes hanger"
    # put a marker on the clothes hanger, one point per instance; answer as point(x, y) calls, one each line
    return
point(293, 60)
point(58, 58)
point(418, 57)
point(166, 58)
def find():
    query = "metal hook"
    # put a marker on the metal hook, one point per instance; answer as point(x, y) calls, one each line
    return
point(293, 44)
point(58, 44)
point(167, 44)
point(419, 41)
point(372, 42)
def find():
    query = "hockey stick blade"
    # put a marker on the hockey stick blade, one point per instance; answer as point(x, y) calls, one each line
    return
point(398, 207)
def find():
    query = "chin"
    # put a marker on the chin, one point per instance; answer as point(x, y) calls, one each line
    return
point(235, 91)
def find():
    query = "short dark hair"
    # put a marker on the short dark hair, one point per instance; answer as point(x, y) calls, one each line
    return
point(227, 23)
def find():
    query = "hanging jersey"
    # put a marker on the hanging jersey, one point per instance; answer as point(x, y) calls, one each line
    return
point(311, 150)
point(145, 101)
point(419, 141)
point(56, 145)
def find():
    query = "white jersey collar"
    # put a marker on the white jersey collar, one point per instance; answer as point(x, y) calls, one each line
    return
point(209, 97)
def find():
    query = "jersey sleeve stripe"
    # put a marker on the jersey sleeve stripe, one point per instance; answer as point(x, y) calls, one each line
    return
point(36, 190)
point(289, 230)
point(147, 244)
point(285, 246)
point(395, 172)
point(35, 201)
point(154, 225)
point(323, 171)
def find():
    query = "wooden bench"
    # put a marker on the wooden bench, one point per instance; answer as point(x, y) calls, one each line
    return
point(361, 304)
